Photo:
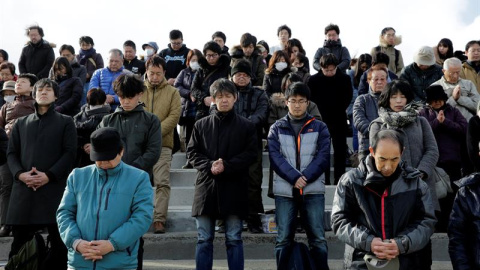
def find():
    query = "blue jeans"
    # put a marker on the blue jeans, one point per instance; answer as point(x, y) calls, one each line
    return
point(233, 242)
point(312, 210)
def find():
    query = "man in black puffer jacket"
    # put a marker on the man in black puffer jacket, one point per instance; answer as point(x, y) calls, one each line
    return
point(37, 56)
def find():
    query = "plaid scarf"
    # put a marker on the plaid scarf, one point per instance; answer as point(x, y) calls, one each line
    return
point(398, 120)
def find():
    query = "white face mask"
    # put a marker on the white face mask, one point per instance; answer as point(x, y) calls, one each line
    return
point(281, 66)
point(9, 99)
point(194, 66)
point(149, 52)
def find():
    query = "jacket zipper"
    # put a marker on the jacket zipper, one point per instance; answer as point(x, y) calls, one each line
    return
point(106, 200)
point(153, 97)
point(98, 213)
point(384, 195)
point(299, 142)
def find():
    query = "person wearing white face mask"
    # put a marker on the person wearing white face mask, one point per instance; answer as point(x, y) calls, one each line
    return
point(183, 83)
point(150, 49)
point(278, 67)
point(8, 91)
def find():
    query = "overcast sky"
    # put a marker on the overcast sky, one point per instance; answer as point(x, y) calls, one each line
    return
point(110, 23)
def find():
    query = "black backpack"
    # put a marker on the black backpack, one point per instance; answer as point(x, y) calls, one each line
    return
point(30, 256)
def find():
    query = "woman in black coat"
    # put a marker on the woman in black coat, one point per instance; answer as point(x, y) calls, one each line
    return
point(71, 89)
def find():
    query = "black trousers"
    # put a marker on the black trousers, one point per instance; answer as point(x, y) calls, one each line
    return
point(338, 134)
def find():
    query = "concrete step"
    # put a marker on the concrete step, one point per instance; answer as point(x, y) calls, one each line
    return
point(181, 246)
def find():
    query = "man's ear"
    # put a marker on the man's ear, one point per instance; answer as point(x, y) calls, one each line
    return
point(371, 151)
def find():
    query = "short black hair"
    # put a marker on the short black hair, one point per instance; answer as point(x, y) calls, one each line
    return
point(223, 85)
point(156, 61)
point(301, 58)
point(265, 45)
point(175, 34)
point(328, 59)
point(331, 27)
point(63, 61)
point(46, 82)
point(219, 34)
point(31, 77)
point(66, 47)
point(212, 46)
point(128, 85)
point(96, 96)
point(290, 77)
point(470, 44)
point(297, 89)
point(34, 27)
point(284, 27)
point(248, 39)
point(380, 58)
point(4, 54)
point(386, 29)
point(130, 43)
point(391, 89)
point(387, 134)
point(86, 39)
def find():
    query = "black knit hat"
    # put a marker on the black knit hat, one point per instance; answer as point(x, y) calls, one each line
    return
point(105, 144)
point(435, 92)
point(242, 66)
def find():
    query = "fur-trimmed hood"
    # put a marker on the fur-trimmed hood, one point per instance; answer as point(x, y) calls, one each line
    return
point(278, 100)
point(398, 41)
point(237, 52)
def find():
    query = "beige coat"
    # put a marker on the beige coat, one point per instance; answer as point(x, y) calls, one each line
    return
point(390, 51)
point(468, 72)
point(164, 101)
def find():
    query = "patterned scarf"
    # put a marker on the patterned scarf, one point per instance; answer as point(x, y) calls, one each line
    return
point(398, 120)
point(84, 55)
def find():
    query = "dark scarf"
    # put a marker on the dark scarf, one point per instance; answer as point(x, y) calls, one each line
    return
point(84, 55)
point(398, 120)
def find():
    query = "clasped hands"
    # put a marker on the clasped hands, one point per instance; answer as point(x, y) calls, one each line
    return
point(94, 250)
point(384, 250)
point(217, 167)
point(34, 178)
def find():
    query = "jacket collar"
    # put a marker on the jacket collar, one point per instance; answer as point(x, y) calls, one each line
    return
point(225, 116)
point(468, 180)
point(111, 172)
point(284, 123)
point(367, 167)
point(162, 84)
point(50, 111)
point(138, 108)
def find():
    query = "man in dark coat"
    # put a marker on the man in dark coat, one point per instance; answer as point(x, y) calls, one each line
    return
point(332, 91)
point(130, 61)
point(175, 55)
point(37, 56)
point(222, 147)
point(333, 44)
point(40, 155)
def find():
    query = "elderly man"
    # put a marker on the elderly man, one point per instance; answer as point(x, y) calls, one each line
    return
point(462, 94)
point(422, 72)
point(37, 56)
point(333, 44)
point(471, 68)
point(383, 208)
point(103, 78)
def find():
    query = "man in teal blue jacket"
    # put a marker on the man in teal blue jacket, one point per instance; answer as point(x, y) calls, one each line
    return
point(116, 209)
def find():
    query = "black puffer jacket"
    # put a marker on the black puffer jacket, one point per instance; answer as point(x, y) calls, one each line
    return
point(70, 95)
point(37, 59)
point(363, 209)
point(340, 52)
point(421, 79)
point(464, 226)
point(272, 82)
point(204, 77)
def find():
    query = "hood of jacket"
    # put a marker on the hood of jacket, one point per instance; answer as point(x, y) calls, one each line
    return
point(398, 41)
point(237, 51)
point(222, 63)
point(278, 100)
point(332, 43)
point(369, 171)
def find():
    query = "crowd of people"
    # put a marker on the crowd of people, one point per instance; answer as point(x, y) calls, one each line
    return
point(83, 134)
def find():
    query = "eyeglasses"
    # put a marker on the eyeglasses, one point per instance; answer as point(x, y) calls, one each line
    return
point(390, 35)
point(211, 55)
point(176, 43)
point(299, 102)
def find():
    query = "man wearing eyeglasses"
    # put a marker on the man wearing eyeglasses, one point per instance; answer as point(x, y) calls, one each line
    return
point(299, 150)
point(175, 56)
point(388, 40)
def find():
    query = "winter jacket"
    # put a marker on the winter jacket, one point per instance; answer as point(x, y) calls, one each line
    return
point(232, 138)
point(70, 95)
point(163, 101)
point(468, 72)
point(449, 135)
point(340, 52)
point(278, 108)
point(78, 71)
point(419, 79)
point(91, 64)
point(140, 132)
point(135, 65)
point(10, 112)
point(272, 82)
point(473, 139)
point(292, 156)
point(176, 60)
point(421, 151)
point(183, 83)
point(364, 85)
point(403, 213)
point(47, 142)
point(255, 59)
point(204, 77)
point(3, 146)
point(395, 65)
point(86, 121)
point(469, 97)
point(104, 78)
point(114, 205)
point(37, 59)
point(365, 110)
point(332, 96)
